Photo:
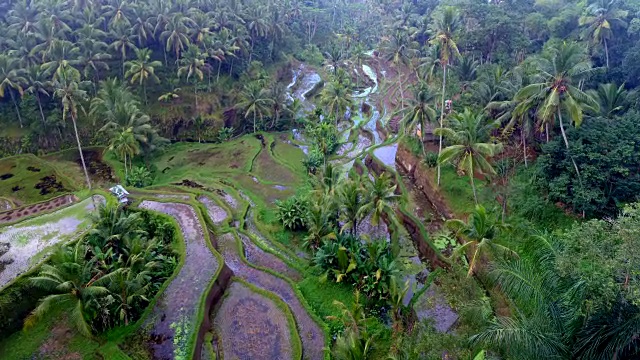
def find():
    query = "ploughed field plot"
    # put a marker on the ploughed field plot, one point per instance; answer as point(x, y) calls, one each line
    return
point(192, 161)
point(252, 326)
point(25, 244)
point(69, 163)
point(173, 323)
point(26, 179)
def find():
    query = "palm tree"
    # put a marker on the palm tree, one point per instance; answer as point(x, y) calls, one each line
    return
point(62, 55)
point(38, 85)
point(470, 152)
point(479, 233)
point(352, 199)
point(612, 99)
point(93, 59)
point(556, 93)
point(191, 65)
point(71, 278)
point(258, 27)
point(142, 70)
point(399, 52)
point(337, 98)
point(11, 80)
point(381, 196)
point(444, 26)
point(122, 43)
point(548, 309)
point(318, 223)
point(254, 102)
point(421, 111)
point(142, 31)
point(124, 144)
point(175, 34)
point(67, 90)
point(599, 23)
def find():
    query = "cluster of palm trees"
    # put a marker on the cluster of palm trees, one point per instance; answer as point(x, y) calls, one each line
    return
point(107, 278)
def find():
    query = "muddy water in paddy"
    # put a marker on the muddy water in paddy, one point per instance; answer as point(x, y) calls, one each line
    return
point(251, 326)
point(258, 257)
point(310, 332)
point(173, 320)
point(217, 214)
point(387, 155)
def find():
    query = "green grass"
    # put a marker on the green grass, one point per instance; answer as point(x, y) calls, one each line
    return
point(53, 331)
point(289, 154)
point(26, 180)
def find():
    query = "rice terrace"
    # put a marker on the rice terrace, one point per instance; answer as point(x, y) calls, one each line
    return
point(318, 180)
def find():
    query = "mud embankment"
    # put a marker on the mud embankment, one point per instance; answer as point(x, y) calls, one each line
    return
point(410, 165)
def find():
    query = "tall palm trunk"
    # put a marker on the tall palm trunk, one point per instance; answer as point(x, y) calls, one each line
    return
point(444, 85)
point(606, 51)
point(195, 92)
point(126, 175)
point(84, 166)
point(566, 144)
point(219, 66)
point(254, 122)
point(473, 184)
point(401, 90)
point(524, 148)
point(144, 91)
point(15, 103)
point(40, 107)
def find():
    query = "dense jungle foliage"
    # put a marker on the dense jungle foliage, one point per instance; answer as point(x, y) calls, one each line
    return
point(524, 112)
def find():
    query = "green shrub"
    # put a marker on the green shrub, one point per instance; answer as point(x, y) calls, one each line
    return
point(140, 177)
point(292, 213)
point(431, 159)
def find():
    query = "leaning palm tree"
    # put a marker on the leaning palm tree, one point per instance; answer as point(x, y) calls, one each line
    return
point(254, 102)
point(470, 150)
point(479, 233)
point(444, 26)
point(421, 111)
point(557, 94)
point(71, 279)
point(612, 99)
point(11, 80)
point(142, 70)
point(67, 90)
point(600, 22)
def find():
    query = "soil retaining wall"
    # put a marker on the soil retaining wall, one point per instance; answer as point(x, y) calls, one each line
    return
point(215, 294)
point(410, 165)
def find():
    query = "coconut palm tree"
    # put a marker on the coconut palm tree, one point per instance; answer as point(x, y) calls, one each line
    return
point(38, 86)
point(142, 69)
point(123, 43)
point(337, 97)
point(556, 93)
point(420, 112)
point(175, 34)
point(479, 233)
point(63, 55)
point(612, 99)
point(11, 81)
point(548, 309)
point(381, 196)
point(602, 18)
point(318, 223)
point(444, 26)
point(191, 66)
point(254, 102)
point(470, 151)
point(125, 145)
point(399, 51)
point(70, 95)
point(73, 283)
point(93, 59)
point(352, 199)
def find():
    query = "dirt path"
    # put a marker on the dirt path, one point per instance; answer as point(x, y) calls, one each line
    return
point(310, 332)
point(173, 322)
point(251, 326)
